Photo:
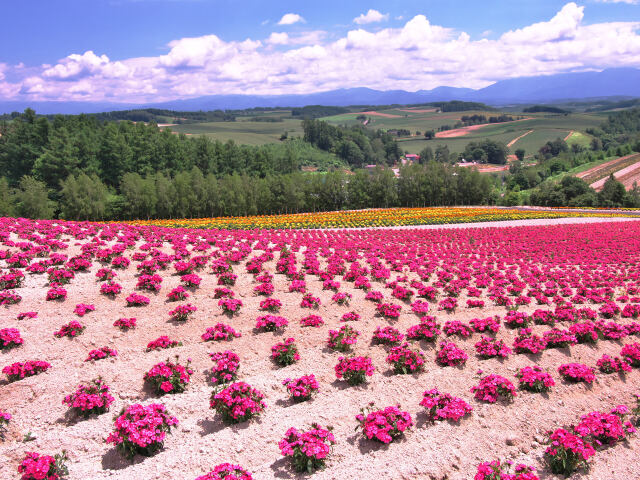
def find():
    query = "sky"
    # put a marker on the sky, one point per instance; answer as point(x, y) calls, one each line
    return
point(141, 51)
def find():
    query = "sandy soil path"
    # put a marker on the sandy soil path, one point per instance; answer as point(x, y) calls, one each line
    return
point(512, 142)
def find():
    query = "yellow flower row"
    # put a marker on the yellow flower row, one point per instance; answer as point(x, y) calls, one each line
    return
point(383, 217)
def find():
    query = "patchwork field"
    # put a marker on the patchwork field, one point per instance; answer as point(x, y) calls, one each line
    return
point(243, 131)
point(597, 175)
point(476, 305)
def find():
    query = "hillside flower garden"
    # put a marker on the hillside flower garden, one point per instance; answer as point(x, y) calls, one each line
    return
point(485, 353)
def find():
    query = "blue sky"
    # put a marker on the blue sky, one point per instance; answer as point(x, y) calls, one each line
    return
point(141, 50)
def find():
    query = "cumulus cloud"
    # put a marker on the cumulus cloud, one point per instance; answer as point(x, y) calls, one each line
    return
point(372, 16)
point(290, 19)
point(303, 38)
point(76, 66)
point(416, 55)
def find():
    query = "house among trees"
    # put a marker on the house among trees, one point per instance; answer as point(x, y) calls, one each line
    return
point(410, 158)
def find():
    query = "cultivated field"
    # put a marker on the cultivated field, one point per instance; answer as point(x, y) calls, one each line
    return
point(428, 285)
point(543, 128)
point(596, 176)
point(244, 131)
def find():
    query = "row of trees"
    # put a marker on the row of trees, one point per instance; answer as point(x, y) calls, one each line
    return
point(191, 194)
point(575, 192)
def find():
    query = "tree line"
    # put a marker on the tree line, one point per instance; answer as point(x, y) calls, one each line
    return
point(191, 194)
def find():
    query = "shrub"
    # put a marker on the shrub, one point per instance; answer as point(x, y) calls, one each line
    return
point(526, 342)
point(285, 353)
point(354, 369)
point(631, 354)
point(405, 360)
point(226, 471)
point(220, 332)
point(270, 323)
point(489, 347)
point(456, 327)
point(71, 329)
point(450, 355)
point(140, 429)
point(226, 365)
point(383, 425)
point(427, 330)
point(576, 372)
point(608, 364)
point(567, 452)
point(17, 371)
point(169, 377)
point(125, 323)
point(10, 338)
point(312, 321)
point(443, 406)
point(303, 388)
point(558, 338)
point(35, 466)
point(309, 449)
point(238, 402)
point(497, 470)
point(489, 324)
point(604, 428)
point(389, 310)
point(90, 399)
point(534, 379)
point(182, 312)
point(350, 317)
point(230, 306)
point(177, 294)
point(161, 343)
point(137, 300)
point(270, 305)
point(342, 339)
point(100, 353)
point(387, 336)
point(492, 388)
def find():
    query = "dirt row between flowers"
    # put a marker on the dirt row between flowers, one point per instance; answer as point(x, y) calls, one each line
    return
point(439, 451)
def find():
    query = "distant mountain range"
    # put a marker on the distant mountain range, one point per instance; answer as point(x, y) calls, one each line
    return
point(614, 82)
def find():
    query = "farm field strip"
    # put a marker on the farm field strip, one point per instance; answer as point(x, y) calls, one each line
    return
point(625, 175)
point(605, 169)
point(383, 217)
point(451, 294)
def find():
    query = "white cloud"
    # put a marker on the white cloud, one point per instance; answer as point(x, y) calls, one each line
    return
point(372, 16)
point(75, 66)
point(416, 55)
point(303, 38)
point(290, 19)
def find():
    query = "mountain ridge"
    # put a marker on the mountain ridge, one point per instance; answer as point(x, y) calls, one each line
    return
point(613, 82)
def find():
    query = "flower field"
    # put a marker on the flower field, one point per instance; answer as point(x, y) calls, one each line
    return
point(142, 351)
point(382, 217)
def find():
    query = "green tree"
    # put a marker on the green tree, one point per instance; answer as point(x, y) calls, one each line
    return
point(520, 152)
point(442, 154)
point(612, 193)
point(32, 199)
point(58, 160)
point(7, 200)
point(83, 198)
point(139, 194)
